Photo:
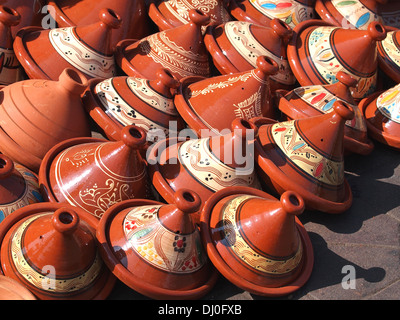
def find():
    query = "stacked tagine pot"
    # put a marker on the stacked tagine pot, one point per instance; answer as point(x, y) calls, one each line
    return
point(37, 114)
point(93, 174)
point(213, 103)
point(309, 101)
point(155, 248)
point(256, 241)
point(51, 249)
point(121, 101)
point(306, 156)
point(45, 53)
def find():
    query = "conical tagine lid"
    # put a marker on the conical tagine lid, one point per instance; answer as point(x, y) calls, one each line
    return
point(256, 241)
point(19, 187)
point(44, 53)
point(236, 45)
point(318, 51)
point(180, 50)
point(213, 103)
point(350, 14)
point(168, 14)
point(382, 113)
point(93, 174)
point(260, 12)
point(205, 164)
point(71, 13)
point(389, 55)
point(37, 114)
point(51, 249)
point(121, 101)
point(162, 256)
point(313, 100)
point(306, 156)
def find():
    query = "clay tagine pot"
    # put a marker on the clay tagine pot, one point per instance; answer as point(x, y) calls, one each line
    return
point(10, 69)
point(213, 103)
point(304, 102)
point(71, 13)
point(19, 187)
point(51, 249)
point(256, 241)
point(156, 249)
point(260, 12)
point(206, 164)
point(318, 51)
point(168, 14)
point(45, 53)
point(306, 156)
point(382, 113)
point(180, 50)
point(13, 290)
point(36, 114)
point(121, 101)
point(389, 55)
point(350, 14)
point(93, 174)
point(236, 45)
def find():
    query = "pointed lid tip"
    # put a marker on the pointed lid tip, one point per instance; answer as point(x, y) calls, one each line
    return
point(377, 31)
point(110, 18)
point(246, 129)
point(65, 220)
point(133, 136)
point(198, 17)
point(6, 166)
point(282, 29)
point(73, 80)
point(187, 200)
point(166, 78)
point(343, 110)
point(292, 203)
point(266, 66)
point(346, 79)
point(9, 16)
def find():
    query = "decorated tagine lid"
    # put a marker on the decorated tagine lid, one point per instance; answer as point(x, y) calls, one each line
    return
point(71, 13)
point(19, 187)
point(168, 14)
point(236, 45)
point(206, 164)
point(180, 50)
point(36, 114)
point(51, 249)
point(309, 101)
point(318, 51)
point(156, 249)
point(261, 12)
point(350, 14)
point(93, 174)
point(121, 101)
point(213, 103)
point(45, 53)
point(306, 156)
point(256, 241)
point(11, 289)
point(10, 69)
point(389, 55)
point(382, 113)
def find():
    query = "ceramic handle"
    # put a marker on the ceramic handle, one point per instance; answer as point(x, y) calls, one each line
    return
point(343, 110)
point(65, 221)
point(281, 28)
point(73, 81)
point(9, 17)
point(187, 201)
point(346, 79)
point(198, 17)
point(266, 67)
point(292, 203)
point(6, 166)
point(377, 31)
point(166, 78)
point(134, 137)
point(110, 18)
point(242, 128)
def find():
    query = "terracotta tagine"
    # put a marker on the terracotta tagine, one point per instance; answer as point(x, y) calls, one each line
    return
point(168, 14)
point(318, 51)
point(306, 156)
point(93, 174)
point(309, 101)
point(19, 187)
point(13, 290)
point(71, 13)
point(382, 113)
point(36, 114)
point(10, 69)
point(236, 45)
point(156, 249)
point(206, 164)
point(45, 53)
point(261, 12)
point(213, 103)
point(389, 55)
point(180, 50)
point(121, 101)
point(350, 14)
point(51, 249)
point(256, 241)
